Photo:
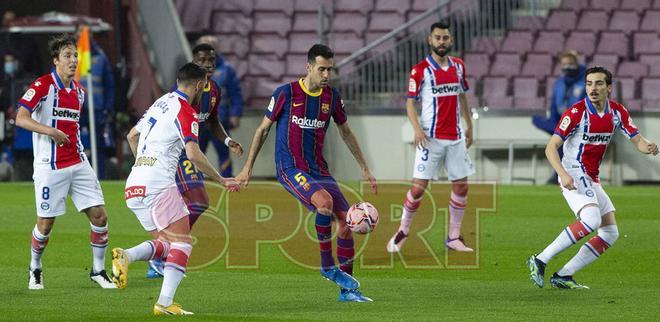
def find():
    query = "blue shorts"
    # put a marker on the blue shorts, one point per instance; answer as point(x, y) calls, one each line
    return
point(187, 176)
point(303, 185)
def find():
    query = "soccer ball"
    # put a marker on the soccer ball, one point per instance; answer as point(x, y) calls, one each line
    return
point(362, 218)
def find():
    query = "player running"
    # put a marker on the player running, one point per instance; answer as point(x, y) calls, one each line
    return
point(190, 181)
point(167, 127)
point(585, 131)
point(440, 82)
point(302, 110)
point(51, 109)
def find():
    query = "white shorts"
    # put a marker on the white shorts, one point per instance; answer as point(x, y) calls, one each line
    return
point(156, 209)
point(452, 154)
point(52, 186)
point(588, 192)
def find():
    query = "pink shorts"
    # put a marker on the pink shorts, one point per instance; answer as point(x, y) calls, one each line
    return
point(156, 209)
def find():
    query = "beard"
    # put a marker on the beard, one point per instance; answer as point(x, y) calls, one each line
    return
point(441, 51)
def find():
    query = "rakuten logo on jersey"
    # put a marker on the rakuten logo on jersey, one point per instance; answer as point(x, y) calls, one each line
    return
point(446, 89)
point(66, 114)
point(306, 123)
point(595, 138)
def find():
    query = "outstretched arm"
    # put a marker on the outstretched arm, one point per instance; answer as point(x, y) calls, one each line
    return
point(198, 158)
point(354, 147)
point(643, 145)
point(258, 140)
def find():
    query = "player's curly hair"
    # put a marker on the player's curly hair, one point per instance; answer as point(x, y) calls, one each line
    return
point(319, 50)
point(600, 69)
point(59, 42)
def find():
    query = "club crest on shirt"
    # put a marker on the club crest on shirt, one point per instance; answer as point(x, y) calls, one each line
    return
point(325, 108)
point(194, 128)
point(565, 122)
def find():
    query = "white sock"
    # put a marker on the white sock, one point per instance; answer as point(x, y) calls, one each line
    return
point(175, 267)
point(98, 237)
point(141, 252)
point(410, 206)
point(39, 242)
point(456, 211)
point(591, 250)
point(589, 217)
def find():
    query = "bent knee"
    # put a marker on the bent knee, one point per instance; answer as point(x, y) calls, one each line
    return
point(322, 200)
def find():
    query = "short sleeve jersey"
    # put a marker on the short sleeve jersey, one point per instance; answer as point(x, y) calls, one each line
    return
point(302, 120)
point(51, 103)
point(164, 130)
point(438, 90)
point(587, 134)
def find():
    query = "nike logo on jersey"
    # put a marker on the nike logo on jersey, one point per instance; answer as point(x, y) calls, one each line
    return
point(596, 138)
point(446, 89)
point(66, 114)
point(297, 104)
point(306, 123)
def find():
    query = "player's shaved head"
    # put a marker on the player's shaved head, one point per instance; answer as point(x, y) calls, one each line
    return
point(59, 42)
point(190, 73)
point(202, 47)
point(319, 50)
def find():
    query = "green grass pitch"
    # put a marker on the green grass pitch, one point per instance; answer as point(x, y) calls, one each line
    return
point(624, 282)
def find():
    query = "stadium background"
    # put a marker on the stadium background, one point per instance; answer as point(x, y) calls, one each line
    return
point(509, 48)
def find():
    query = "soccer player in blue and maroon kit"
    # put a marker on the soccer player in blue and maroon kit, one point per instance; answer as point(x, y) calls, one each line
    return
point(302, 110)
point(190, 181)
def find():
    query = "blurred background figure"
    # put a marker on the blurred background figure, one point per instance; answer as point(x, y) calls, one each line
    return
point(103, 82)
point(230, 108)
point(567, 90)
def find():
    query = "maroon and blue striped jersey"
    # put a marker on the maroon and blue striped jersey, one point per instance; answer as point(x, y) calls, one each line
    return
point(302, 120)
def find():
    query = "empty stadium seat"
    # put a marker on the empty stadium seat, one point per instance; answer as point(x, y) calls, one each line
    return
point(267, 43)
point(195, 15)
point(266, 65)
point(246, 7)
point(607, 5)
point(309, 6)
point(518, 41)
point(651, 21)
point(645, 42)
point(584, 42)
point(350, 21)
point(653, 61)
point(549, 85)
point(283, 6)
point(609, 61)
point(532, 23)
point(476, 63)
point(486, 44)
point(272, 22)
point(637, 5)
point(364, 6)
point(423, 5)
point(613, 42)
point(632, 69)
point(627, 91)
point(650, 94)
point(525, 94)
point(231, 23)
point(400, 6)
point(593, 20)
point(505, 64)
point(576, 5)
point(384, 21)
point(233, 44)
point(561, 19)
point(346, 43)
point(307, 21)
point(538, 65)
point(495, 92)
point(550, 42)
point(624, 20)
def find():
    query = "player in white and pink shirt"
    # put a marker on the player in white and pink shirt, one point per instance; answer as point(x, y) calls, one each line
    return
point(439, 82)
point(167, 128)
point(584, 132)
point(51, 109)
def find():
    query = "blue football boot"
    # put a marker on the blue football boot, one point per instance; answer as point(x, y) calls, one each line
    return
point(352, 296)
point(340, 278)
point(156, 267)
